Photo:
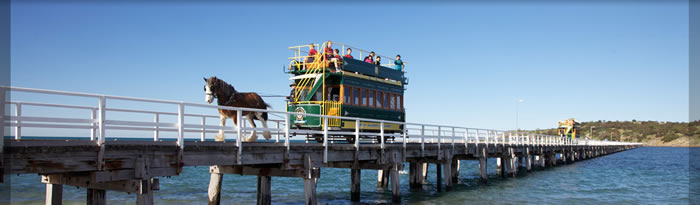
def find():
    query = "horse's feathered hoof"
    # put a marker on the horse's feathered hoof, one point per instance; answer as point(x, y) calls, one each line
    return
point(267, 135)
point(252, 138)
point(219, 137)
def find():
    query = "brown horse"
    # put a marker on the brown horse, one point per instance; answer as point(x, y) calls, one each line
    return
point(228, 96)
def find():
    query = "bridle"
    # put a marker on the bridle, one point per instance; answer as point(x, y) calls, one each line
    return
point(212, 93)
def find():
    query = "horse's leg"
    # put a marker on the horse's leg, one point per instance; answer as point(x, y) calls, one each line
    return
point(222, 123)
point(253, 136)
point(266, 133)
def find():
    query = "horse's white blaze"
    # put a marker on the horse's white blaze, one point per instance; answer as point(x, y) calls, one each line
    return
point(209, 97)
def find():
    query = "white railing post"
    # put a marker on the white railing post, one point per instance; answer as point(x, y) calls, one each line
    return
point(239, 132)
point(453, 137)
point(286, 130)
point(239, 138)
point(466, 138)
point(478, 140)
point(357, 135)
point(510, 138)
point(156, 119)
point(325, 139)
point(102, 103)
point(381, 133)
point(439, 136)
point(203, 137)
point(93, 130)
point(18, 126)
point(181, 126)
point(422, 140)
point(405, 132)
point(528, 139)
point(277, 139)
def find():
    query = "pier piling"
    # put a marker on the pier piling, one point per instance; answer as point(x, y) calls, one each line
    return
point(264, 190)
point(215, 186)
point(355, 187)
point(483, 157)
point(96, 197)
point(395, 184)
point(447, 169)
point(54, 194)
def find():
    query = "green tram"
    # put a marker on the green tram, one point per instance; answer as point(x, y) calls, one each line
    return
point(355, 89)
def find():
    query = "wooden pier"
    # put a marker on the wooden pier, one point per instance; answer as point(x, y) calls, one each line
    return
point(133, 166)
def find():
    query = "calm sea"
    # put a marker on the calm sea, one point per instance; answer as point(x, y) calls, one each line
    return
point(647, 175)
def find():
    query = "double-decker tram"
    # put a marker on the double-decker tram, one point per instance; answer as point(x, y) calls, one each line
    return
point(342, 84)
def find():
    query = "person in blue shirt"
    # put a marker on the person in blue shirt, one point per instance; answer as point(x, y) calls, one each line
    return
point(398, 64)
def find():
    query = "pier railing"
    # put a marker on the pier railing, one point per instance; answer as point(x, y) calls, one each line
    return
point(99, 122)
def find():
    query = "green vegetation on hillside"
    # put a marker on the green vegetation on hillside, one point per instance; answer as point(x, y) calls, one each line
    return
point(650, 132)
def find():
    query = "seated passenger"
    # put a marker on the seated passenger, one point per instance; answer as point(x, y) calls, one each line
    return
point(328, 51)
point(378, 61)
point(348, 55)
point(336, 60)
point(369, 58)
point(398, 64)
point(312, 55)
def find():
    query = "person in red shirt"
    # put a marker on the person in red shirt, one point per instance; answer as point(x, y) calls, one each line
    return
point(348, 55)
point(328, 51)
point(312, 55)
point(336, 60)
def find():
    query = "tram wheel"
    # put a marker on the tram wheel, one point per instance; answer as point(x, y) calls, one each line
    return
point(350, 140)
point(318, 138)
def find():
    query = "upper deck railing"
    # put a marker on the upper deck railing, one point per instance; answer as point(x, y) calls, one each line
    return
point(302, 52)
point(97, 122)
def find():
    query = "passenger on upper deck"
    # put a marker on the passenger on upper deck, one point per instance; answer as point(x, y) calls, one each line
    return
point(348, 55)
point(328, 50)
point(336, 60)
point(378, 61)
point(312, 54)
point(398, 64)
point(369, 58)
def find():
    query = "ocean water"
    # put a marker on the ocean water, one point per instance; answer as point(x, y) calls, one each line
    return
point(647, 175)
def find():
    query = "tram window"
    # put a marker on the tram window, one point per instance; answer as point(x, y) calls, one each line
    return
point(371, 98)
point(392, 102)
point(398, 102)
point(386, 100)
point(346, 95)
point(364, 97)
point(380, 99)
point(356, 96)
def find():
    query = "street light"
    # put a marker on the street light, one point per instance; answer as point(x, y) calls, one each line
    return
point(516, 114)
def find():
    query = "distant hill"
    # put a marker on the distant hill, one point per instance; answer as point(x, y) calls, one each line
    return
point(651, 133)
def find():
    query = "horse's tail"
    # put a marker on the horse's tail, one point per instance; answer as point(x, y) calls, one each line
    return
point(264, 115)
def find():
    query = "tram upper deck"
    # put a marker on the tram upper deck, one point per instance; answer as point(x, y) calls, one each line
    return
point(303, 63)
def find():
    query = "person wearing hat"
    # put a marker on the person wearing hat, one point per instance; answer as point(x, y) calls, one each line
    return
point(291, 93)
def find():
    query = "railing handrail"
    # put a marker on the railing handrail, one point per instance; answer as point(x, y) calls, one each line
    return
point(98, 123)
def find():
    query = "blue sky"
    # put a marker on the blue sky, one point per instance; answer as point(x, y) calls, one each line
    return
point(468, 63)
